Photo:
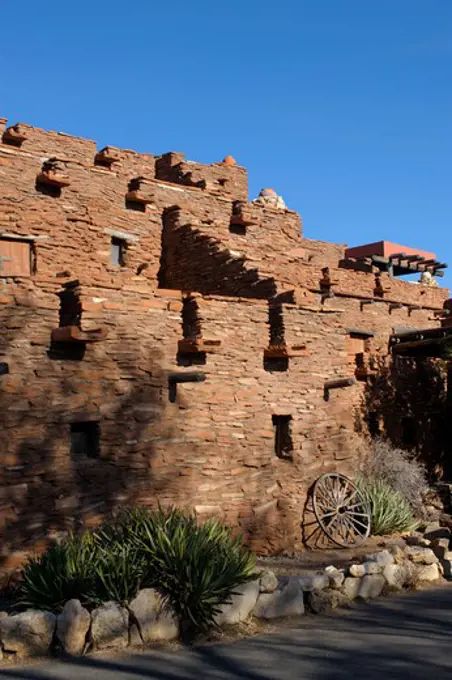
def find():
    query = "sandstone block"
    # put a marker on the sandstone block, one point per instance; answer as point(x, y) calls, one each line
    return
point(72, 627)
point(322, 601)
point(383, 557)
point(439, 533)
point(110, 626)
point(420, 555)
point(268, 582)
point(395, 575)
point(336, 577)
point(447, 568)
point(241, 604)
point(154, 619)
point(288, 601)
point(440, 547)
point(428, 572)
point(367, 587)
point(27, 634)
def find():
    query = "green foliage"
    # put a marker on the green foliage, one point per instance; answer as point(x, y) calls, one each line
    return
point(391, 512)
point(194, 566)
point(64, 572)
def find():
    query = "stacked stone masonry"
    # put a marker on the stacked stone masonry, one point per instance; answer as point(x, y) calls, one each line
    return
point(206, 443)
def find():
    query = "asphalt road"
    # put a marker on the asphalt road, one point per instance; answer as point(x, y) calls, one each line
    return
point(408, 637)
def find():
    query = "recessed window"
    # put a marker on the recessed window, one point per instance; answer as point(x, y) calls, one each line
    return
point(282, 426)
point(117, 252)
point(85, 438)
point(15, 257)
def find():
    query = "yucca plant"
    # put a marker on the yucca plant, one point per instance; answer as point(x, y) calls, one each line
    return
point(64, 572)
point(195, 566)
point(391, 512)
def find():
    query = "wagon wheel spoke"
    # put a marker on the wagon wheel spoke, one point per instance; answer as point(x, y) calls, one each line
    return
point(340, 510)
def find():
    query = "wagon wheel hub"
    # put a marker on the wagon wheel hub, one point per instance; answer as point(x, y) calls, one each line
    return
point(341, 510)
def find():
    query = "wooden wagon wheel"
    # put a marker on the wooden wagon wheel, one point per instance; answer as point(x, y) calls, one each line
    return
point(341, 510)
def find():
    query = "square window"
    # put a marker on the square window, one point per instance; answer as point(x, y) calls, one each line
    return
point(15, 257)
point(85, 438)
point(117, 252)
point(283, 437)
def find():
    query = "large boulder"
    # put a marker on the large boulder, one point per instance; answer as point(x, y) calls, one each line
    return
point(336, 577)
point(286, 601)
point(395, 575)
point(367, 587)
point(27, 634)
point(420, 555)
point(72, 627)
point(154, 618)
point(110, 626)
point(241, 604)
point(428, 572)
point(322, 601)
point(366, 569)
point(268, 582)
point(383, 557)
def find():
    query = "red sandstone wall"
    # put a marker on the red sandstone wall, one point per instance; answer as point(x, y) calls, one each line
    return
point(213, 448)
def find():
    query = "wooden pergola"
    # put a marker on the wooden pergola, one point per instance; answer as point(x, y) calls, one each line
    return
point(401, 264)
point(428, 342)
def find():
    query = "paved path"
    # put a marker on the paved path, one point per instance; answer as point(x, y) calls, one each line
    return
point(404, 638)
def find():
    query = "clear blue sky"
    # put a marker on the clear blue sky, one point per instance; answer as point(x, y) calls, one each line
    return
point(343, 106)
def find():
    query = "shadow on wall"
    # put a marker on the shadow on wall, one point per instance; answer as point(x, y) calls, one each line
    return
point(113, 401)
point(77, 435)
point(406, 401)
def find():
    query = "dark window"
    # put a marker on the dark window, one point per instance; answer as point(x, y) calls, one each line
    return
point(373, 423)
point(117, 252)
point(283, 437)
point(85, 439)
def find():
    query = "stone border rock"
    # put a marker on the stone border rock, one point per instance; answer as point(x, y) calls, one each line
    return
point(407, 563)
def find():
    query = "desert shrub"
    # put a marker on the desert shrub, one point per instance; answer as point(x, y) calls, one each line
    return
point(64, 572)
point(398, 469)
point(194, 566)
point(391, 512)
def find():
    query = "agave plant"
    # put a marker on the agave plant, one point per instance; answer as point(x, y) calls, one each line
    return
point(64, 572)
point(391, 512)
point(195, 566)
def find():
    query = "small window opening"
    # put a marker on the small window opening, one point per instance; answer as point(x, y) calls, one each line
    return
point(70, 312)
point(191, 322)
point(276, 325)
point(135, 205)
point(373, 424)
point(237, 229)
point(117, 252)
point(48, 189)
point(85, 438)
point(276, 364)
point(283, 437)
point(378, 290)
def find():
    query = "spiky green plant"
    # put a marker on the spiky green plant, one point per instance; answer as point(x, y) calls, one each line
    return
point(64, 572)
point(195, 567)
point(391, 512)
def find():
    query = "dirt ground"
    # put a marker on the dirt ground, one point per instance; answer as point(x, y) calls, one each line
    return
point(314, 560)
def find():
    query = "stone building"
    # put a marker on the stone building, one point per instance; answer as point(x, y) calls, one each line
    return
point(165, 340)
